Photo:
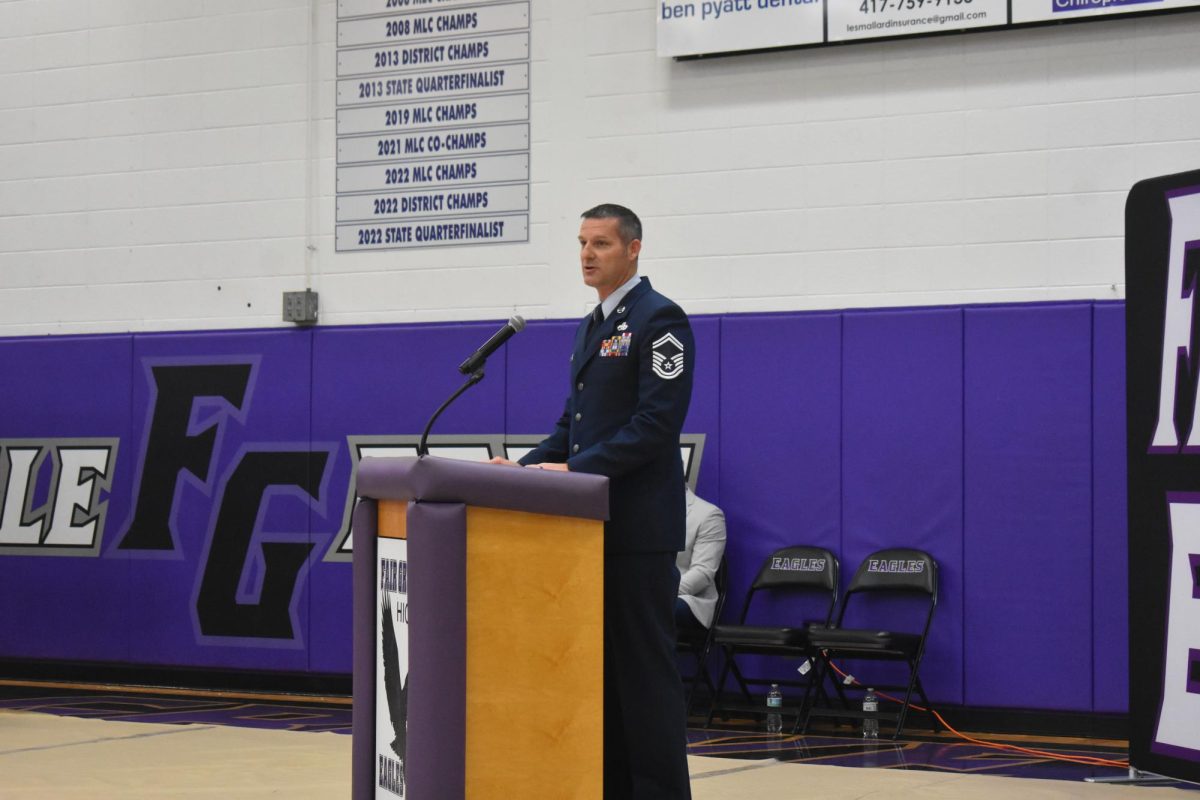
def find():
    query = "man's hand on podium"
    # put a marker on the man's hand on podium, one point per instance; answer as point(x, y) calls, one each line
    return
point(507, 463)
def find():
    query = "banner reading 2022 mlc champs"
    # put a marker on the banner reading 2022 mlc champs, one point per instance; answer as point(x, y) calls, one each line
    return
point(432, 123)
point(699, 27)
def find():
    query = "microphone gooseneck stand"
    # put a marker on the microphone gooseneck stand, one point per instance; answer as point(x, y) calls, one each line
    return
point(476, 377)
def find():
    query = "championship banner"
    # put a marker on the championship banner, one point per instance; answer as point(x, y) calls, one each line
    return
point(1162, 262)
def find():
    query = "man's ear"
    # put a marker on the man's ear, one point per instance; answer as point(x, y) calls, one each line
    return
point(635, 247)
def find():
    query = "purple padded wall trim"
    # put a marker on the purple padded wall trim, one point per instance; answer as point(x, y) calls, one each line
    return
point(387, 380)
point(437, 636)
point(365, 601)
point(704, 414)
point(902, 431)
point(433, 479)
point(68, 387)
point(780, 464)
point(273, 416)
point(1042, 469)
point(1110, 601)
point(539, 372)
point(1028, 536)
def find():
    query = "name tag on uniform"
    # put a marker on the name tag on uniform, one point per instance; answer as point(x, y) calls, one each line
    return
point(616, 346)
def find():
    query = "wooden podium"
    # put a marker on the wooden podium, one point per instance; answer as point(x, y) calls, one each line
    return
point(502, 568)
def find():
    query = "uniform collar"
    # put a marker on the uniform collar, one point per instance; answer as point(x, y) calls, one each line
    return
point(610, 303)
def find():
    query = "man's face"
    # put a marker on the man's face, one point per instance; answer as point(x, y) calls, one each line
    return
point(607, 262)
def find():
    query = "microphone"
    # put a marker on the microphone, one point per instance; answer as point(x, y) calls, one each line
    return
point(477, 359)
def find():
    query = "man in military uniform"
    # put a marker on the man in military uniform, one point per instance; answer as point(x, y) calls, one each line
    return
point(631, 382)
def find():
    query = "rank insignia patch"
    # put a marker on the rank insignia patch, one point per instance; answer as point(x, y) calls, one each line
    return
point(616, 346)
point(667, 354)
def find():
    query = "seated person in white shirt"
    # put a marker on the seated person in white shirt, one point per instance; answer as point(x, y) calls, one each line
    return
point(697, 563)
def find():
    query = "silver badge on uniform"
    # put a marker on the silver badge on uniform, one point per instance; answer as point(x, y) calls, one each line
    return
point(667, 357)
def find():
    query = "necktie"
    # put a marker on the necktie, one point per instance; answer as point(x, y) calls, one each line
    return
point(596, 319)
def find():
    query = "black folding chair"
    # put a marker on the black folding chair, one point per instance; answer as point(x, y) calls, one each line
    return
point(789, 573)
point(699, 643)
point(886, 573)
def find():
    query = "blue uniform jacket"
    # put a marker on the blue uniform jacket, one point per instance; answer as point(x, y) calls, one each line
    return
point(631, 382)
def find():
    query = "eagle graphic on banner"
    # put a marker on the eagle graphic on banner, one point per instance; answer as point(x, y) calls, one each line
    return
point(394, 684)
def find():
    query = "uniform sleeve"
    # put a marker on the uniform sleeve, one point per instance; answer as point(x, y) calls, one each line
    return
point(666, 357)
point(706, 554)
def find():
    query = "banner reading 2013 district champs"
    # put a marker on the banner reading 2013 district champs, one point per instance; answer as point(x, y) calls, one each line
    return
point(391, 670)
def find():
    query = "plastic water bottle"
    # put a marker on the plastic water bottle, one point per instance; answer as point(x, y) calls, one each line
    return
point(870, 726)
point(775, 710)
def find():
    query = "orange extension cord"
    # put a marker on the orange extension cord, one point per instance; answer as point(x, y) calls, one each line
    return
point(1093, 761)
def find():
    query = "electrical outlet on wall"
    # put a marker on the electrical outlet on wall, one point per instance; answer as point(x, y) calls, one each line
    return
point(300, 307)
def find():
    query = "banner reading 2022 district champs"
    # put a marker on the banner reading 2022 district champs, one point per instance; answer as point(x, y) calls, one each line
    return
point(391, 670)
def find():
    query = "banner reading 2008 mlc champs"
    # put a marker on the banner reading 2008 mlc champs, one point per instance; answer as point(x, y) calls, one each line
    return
point(697, 27)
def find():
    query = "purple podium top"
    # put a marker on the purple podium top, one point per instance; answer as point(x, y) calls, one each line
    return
point(447, 480)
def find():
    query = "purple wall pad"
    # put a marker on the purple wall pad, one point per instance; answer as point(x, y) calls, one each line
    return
point(1042, 472)
point(67, 387)
point(366, 598)
point(704, 414)
point(437, 671)
point(1110, 602)
point(780, 464)
point(433, 479)
point(262, 412)
point(902, 430)
point(386, 380)
point(539, 363)
point(1027, 552)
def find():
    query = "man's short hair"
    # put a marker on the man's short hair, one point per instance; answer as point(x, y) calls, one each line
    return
point(628, 224)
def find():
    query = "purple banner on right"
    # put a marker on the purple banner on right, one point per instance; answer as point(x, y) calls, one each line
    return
point(1162, 242)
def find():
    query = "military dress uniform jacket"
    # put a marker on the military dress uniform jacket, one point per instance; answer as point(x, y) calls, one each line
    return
point(631, 382)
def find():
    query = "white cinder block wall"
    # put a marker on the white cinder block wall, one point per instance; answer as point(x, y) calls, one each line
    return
point(168, 164)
